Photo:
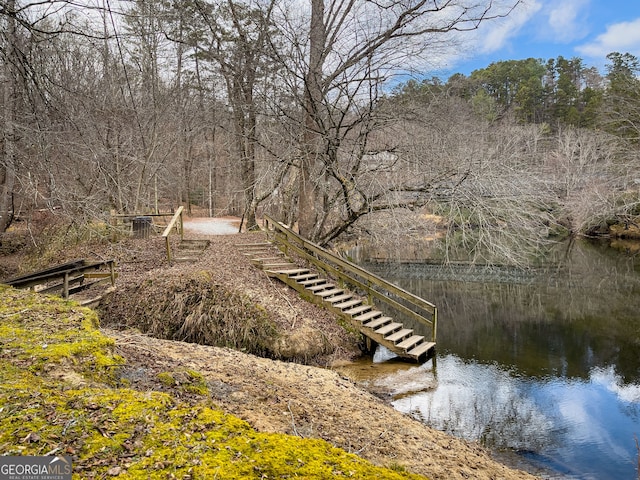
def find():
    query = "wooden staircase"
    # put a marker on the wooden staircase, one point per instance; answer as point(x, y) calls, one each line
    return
point(371, 322)
point(190, 250)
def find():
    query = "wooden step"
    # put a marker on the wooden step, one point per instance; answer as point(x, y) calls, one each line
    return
point(311, 281)
point(377, 322)
point(266, 259)
point(389, 328)
point(348, 304)
point(421, 349)
point(399, 335)
point(358, 309)
point(256, 253)
point(195, 243)
point(191, 248)
point(186, 259)
point(339, 298)
point(253, 245)
point(291, 271)
point(367, 316)
point(411, 342)
point(278, 266)
point(321, 286)
point(330, 292)
point(304, 276)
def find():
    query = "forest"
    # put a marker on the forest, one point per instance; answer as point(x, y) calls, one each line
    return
point(323, 114)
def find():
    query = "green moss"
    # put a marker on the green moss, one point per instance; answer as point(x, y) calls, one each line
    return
point(196, 383)
point(166, 378)
point(185, 380)
point(43, 332)
point(59, 395)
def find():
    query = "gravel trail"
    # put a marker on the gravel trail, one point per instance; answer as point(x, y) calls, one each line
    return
point(212, 226)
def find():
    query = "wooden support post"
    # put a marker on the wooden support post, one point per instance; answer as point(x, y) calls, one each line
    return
point(112, 272)
point(434, 325)
point(65, 286)
point(168, 249)
point(369, 345)
point(176, 222)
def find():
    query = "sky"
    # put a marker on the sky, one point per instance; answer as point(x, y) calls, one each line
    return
point(588, 29)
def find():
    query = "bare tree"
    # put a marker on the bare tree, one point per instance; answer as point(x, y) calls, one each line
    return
point(482, 182)
point(238, 42)
point(350, 50)
point(9, 89)
point(595, 179)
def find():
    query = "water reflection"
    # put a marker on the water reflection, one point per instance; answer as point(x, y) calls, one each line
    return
point(546, 363)
point(582, 313)
point(581, 428)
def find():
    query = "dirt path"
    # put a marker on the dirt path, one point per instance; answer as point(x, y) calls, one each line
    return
point(212, 226)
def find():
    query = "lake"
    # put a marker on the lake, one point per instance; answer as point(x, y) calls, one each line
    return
point(543, 363)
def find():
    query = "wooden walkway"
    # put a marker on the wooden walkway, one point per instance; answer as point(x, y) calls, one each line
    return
point(70, 278)
point(313, 287)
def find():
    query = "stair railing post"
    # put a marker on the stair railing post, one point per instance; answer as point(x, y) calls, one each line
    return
point(112, 272)
point(65, 286)
point(176, 221)
point(434, 325)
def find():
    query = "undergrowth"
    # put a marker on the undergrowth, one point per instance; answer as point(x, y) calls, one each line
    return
point(62, 395)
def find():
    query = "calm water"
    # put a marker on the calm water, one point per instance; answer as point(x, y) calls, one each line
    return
point(543, 363)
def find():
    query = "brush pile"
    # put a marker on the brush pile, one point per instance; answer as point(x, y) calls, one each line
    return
point(193, 308)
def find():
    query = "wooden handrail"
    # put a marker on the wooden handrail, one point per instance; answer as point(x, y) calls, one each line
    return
point(177, 217)
point(133, 215)
point(67, 275)
point(356, 275)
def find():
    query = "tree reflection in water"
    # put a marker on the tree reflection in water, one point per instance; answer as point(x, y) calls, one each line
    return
point(544, 362)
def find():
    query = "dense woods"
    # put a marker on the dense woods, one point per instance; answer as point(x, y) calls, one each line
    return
point(295, 109)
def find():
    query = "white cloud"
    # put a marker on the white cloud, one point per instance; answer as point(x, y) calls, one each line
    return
point(608, 378)
point(567, 20)
point(496, 35)
point(621, 37)
point(492, 35)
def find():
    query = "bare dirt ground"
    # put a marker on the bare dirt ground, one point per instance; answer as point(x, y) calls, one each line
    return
point(308, 401)
point(276, 396)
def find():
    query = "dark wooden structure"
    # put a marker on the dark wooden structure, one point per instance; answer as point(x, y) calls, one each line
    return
point(68, 278)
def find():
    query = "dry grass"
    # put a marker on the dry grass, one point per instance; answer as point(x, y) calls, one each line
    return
point(192, 308)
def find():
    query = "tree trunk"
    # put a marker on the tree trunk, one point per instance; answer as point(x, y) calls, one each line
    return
point(312, 138)
point(8, 161)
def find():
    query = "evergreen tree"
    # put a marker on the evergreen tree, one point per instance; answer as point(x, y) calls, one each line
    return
point(621, 112)
point(514, 85)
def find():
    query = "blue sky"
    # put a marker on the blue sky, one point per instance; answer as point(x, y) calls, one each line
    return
point(589, 29)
